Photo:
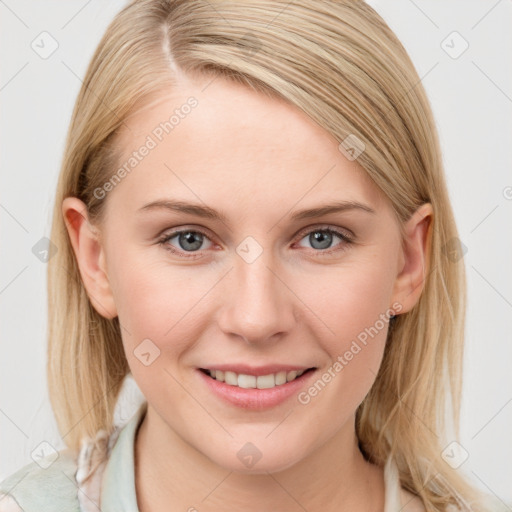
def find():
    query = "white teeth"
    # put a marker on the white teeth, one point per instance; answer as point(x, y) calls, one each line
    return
point(266, 381)
point(246, 381)
point(251, 381)
point(280, 378)
point(231, 378)
point(291, 375)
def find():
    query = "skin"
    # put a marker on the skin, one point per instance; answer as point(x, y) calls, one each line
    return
point(258, 161)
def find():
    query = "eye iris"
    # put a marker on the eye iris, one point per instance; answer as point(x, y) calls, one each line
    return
point(190, 237)
point(323, 237)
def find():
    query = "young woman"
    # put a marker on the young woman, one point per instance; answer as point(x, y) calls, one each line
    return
point(251, 219)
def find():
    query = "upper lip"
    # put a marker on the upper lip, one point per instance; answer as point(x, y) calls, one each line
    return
point(256, 370)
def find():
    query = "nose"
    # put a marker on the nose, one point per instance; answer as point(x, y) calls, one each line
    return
point(257, 305)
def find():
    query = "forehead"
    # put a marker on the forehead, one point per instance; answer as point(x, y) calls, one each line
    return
point(220, 142)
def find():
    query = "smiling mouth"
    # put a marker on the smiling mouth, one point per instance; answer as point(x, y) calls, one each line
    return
point(245, 381)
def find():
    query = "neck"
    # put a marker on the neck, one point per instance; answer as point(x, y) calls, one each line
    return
point(174, 476)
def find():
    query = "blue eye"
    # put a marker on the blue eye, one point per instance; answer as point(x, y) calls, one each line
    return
point(323, 238)
point(190, 241)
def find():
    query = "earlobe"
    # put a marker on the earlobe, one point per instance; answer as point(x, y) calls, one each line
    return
point(89, 255)
point(414, 257)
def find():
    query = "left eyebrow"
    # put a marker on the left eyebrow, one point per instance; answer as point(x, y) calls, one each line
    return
point(209, 213)
point(337, 207)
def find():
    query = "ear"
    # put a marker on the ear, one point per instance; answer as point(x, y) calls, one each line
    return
point(89, 255)
point(414, 262)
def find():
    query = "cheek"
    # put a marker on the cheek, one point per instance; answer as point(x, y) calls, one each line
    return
point(353, 308)
point(152, 309)
point(160, 303)
point(352, 299)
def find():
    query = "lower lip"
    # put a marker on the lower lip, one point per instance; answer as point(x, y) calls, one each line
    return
point(254, 398)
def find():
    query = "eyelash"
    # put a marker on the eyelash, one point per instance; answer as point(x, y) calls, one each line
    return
point(347, 240)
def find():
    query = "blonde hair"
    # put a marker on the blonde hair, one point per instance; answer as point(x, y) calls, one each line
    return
point(342, 65)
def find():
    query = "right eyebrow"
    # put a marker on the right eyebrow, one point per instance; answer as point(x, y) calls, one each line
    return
point(183, 207)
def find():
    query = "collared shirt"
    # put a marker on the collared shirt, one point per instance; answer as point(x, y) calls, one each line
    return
point(103, 475)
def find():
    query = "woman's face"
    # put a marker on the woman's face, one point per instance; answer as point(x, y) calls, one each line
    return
point(255, 284)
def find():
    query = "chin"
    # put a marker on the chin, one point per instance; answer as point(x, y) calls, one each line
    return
point(250, 460)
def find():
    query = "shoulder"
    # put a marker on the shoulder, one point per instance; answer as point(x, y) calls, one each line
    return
point(64, 480)
point(45, 485)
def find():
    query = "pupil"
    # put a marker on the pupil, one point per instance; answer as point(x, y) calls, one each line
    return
point(192, 238)
point(323, 237)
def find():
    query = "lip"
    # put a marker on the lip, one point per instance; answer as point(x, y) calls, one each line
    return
point(255, 399)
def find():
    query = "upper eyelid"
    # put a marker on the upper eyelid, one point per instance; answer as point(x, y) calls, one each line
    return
point(326, 227)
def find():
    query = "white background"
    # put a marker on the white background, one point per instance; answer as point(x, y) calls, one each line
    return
point(472, 101)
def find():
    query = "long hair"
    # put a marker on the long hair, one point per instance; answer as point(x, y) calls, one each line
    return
point(338, 62)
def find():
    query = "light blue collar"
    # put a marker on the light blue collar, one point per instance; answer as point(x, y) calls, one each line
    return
point(118, 482)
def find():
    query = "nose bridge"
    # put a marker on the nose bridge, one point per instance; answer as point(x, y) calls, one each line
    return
point(257, 304)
